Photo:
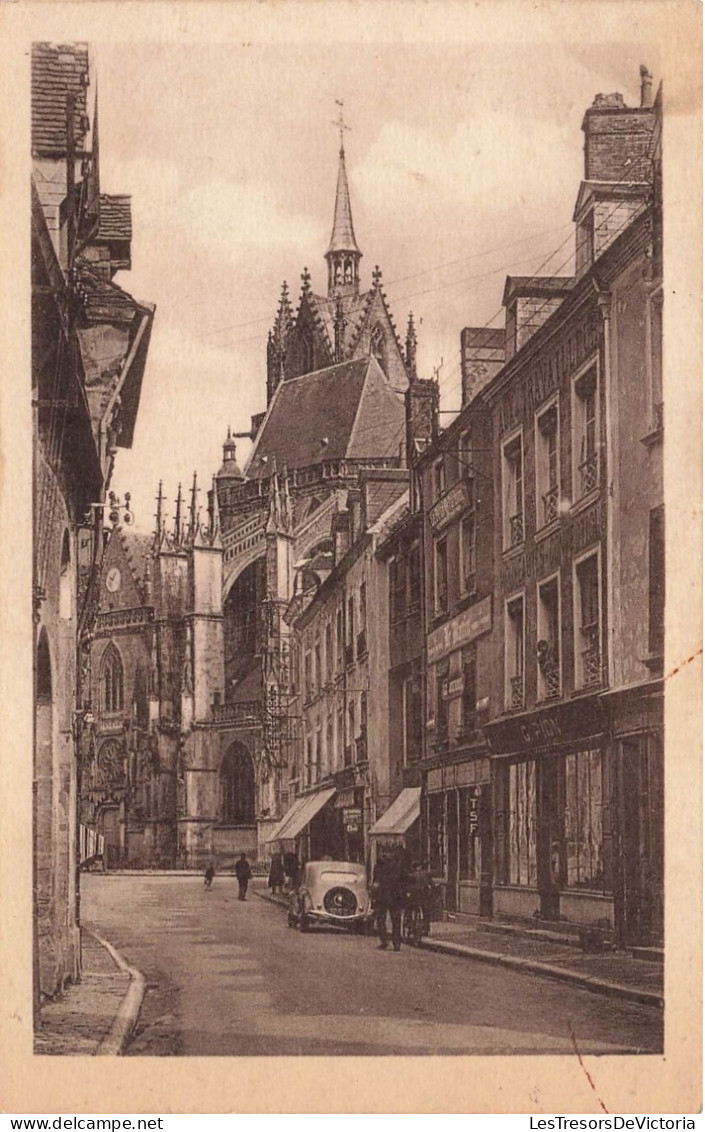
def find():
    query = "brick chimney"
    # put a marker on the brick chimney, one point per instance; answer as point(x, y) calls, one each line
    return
point(481, 357)
point(616, 134)
point(422, 402)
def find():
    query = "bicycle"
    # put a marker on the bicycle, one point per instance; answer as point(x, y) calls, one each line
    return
point(413, 925)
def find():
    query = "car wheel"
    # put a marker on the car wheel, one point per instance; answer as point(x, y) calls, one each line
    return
point(304, 923)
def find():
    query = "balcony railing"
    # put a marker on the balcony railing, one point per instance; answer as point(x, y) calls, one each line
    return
point(592, 664)
point(550, 505)
point(588, 474)
point(361, 644)
point(516, 688)
point(551, 680)
point(248, 713)
point(516, 529)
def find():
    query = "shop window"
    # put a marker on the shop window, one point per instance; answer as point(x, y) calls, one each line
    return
point(436, 833)
point(441, 576)
point(112, 681)
point(513, 489)
point(583, 820)
point(657, 580)
point(469, 700)
point(588, 642)
point(585, 457)
point(548, 656)
point(468, 553)
point(514, 654)
point(521, 824)
point(547, 449)
point(411, 693)
point(469, 841)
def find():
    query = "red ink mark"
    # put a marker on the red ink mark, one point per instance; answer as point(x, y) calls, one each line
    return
point(676, 670)
point(582, 1066)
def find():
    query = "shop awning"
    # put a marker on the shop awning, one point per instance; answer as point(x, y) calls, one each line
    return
point(300, 814)
point(402, 814)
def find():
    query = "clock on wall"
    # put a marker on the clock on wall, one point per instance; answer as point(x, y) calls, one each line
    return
point(112, 581)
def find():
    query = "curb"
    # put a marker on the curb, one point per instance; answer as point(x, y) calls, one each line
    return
point(125, 1020)
point(547, 970)
point(528, 966)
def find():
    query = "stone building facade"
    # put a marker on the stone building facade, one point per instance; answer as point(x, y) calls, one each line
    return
point(89, 346)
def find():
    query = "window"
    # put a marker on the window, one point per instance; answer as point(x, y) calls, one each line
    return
point(464, 456)
point(317, 752)
point(436, 832)
point(657, 580)
point(362, 635)
point(411, 695)
point(317, 666)
point(351, 619)
point(237, 787)
point(548, 657)
point(329, 761)
point(469, 700)
point(330, 665)
point(361, 739)
point(441, 576)
point(308, 769)
point(521, 825)
point(112, 680)
point(588, 653)
point(414, 577)
point(439, 479)
point(308, 676)
point(468, 549)
point(339, 635)
point(513, 484)
point(441, 705)
point(339, 739)
point(514, 654)
point(654, 357)
point(397, 585)
point(547, 449)
point(585, 461)
point(583, 820)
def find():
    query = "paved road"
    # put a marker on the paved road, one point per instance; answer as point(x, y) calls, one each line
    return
point(230, 978)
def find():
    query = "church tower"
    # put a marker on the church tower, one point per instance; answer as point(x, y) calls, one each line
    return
point(343, 255)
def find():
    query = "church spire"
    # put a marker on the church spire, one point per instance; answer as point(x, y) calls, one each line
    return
point(343, 255)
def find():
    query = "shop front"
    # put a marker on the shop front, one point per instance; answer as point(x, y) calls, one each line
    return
point(303, 827)
point(400, 826)
point(458, 824)
point(553, 815)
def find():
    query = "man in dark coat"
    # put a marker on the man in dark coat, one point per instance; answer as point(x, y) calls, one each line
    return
point(243, 872)
point(391, 883)
point(276, 874)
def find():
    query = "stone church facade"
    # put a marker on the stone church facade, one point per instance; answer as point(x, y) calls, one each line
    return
point(192, 760)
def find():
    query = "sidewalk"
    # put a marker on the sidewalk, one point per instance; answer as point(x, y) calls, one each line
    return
point(95, 1016)
point(613, 973)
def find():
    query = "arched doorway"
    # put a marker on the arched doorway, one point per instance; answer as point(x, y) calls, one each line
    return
point(237, 787)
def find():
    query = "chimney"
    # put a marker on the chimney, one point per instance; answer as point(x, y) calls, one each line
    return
point(647, 82)
point(481, 358)
point(421, 400)
point(529, 302)
point(617, 137)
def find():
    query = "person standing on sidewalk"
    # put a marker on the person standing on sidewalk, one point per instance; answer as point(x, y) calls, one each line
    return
point(243, 872)
point(208, 875)
point(392, 882)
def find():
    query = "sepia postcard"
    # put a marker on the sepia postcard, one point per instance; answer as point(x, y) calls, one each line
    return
point(351, 565)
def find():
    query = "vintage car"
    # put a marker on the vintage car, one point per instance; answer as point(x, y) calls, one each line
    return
point(331, 892)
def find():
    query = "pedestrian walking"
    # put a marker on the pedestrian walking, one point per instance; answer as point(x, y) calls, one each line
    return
point(276, 874)
point(390, 882)
point(208, 875)
point(243, 872)
point(292, 870)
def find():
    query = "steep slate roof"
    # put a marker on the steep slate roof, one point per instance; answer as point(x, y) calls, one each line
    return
point(350, 405)
point(58, 69)
point(115, 218)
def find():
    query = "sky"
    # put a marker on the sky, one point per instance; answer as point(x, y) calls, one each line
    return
point(464, 164)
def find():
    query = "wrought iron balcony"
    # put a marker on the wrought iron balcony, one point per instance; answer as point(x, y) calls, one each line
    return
point(551, 679)
point(592, 665)
point(550, 505)
point(588, 474)
point(516, 687)
point(516, 529)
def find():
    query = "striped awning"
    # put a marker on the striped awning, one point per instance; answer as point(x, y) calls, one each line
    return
point(402, 814)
